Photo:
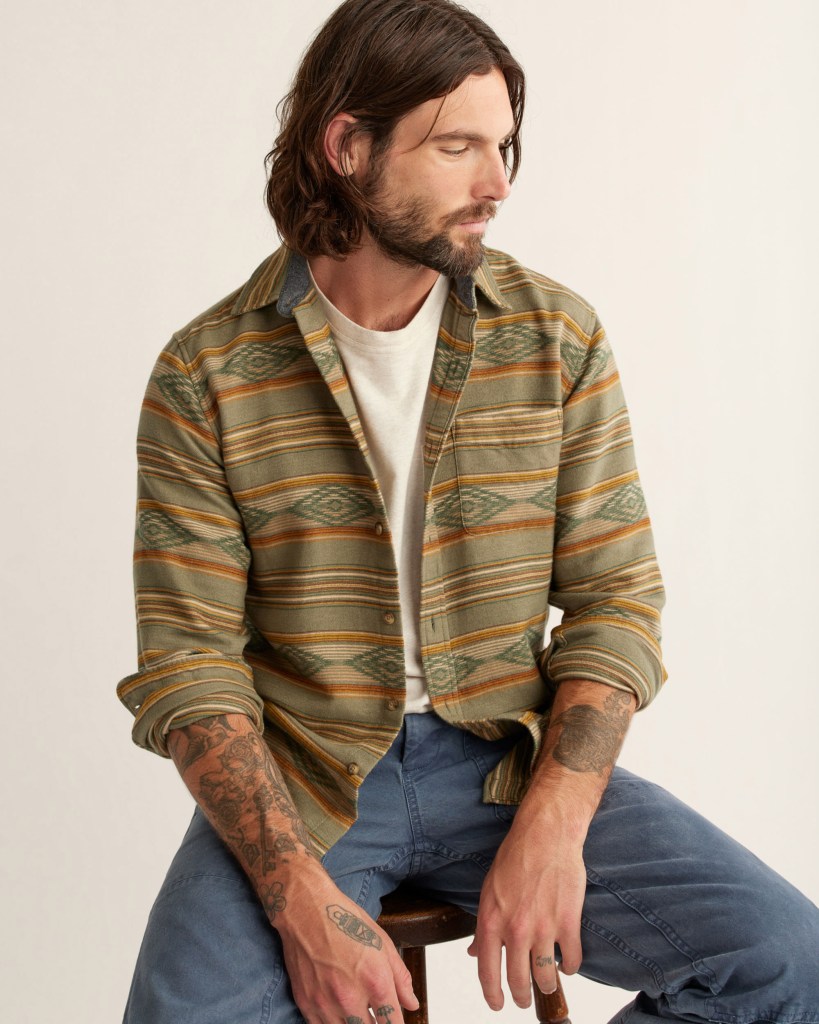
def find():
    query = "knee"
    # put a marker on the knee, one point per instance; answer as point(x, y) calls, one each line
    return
point(780, 933)
point(792, 933)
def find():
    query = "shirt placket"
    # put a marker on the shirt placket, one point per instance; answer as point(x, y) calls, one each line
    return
point(451, 366)
point(319, 341)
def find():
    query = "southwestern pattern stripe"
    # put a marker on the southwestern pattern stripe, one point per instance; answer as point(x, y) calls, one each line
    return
point(265, 576)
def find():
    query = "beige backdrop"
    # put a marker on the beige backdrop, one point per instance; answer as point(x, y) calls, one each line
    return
point(669, 176)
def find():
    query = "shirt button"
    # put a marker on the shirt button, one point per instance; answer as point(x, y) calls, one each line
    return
point(352, 768)
point(389, 618)
point(379, 529)
point(392, 705)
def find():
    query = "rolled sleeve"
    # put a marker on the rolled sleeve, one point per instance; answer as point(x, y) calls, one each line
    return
point(190, 566)
point(605, 574)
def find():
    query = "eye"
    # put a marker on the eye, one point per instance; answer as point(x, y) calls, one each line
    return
point(455, 152)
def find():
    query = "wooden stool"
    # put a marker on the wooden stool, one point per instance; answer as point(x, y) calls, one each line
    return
point(414, 921)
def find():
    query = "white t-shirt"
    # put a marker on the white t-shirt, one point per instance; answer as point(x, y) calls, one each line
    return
point(389, 376)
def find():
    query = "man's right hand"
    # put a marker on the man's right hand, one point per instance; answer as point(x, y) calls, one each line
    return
point(339, 961)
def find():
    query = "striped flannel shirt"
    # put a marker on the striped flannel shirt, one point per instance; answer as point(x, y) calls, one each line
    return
point(265, 577)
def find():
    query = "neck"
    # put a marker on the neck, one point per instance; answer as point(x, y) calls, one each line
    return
point(373, 290)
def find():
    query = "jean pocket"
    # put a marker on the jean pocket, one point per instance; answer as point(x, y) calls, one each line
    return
point(505, 812)
point(486, 754)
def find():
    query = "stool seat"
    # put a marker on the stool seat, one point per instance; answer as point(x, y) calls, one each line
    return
point(413, 921)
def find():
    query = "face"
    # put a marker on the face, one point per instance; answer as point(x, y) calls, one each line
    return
point(437, 186)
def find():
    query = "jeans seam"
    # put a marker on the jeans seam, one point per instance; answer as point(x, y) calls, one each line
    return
point(272, 989)
point(768, 1016)
point(171, 887)
point(623, 947)
point(453, 855)
point(669, 933)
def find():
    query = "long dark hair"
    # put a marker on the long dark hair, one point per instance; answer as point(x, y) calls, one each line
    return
point(376, 60)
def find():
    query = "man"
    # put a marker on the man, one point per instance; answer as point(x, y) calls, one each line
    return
point(363, 477)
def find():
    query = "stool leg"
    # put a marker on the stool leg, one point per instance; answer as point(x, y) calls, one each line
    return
point(552, 1008)
point(415, 959)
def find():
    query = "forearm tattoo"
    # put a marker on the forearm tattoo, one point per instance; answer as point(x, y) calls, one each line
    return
point(590, 738)
point(237, 797)
point(204, 736)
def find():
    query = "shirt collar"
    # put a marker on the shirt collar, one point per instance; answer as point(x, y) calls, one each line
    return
point(284, 278)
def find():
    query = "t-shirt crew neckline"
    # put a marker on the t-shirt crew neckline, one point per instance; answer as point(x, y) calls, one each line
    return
point(428, 318)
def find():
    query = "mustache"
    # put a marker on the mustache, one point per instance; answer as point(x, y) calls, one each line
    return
point(480, 211)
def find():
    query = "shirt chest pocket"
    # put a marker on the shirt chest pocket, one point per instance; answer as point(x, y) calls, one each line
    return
point(506, 462)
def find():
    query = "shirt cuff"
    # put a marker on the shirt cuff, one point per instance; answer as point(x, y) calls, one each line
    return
point(625, 659)
point(184, 689)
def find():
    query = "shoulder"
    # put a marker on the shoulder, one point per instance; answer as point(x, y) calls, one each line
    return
point(216, 319)
point(534, 295)
point(248, 310)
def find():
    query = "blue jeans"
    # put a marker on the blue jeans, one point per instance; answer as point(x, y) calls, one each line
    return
point(673, 908)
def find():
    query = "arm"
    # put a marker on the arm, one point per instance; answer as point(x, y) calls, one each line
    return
point(234, 779)
point(339, 961)
point(190, 566)
point(533, 894)
point(193, 698)
point(604, 660)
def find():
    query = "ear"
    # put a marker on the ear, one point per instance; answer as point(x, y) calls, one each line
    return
point(355, 155)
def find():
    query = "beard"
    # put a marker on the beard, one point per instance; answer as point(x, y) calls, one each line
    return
point(403, 230)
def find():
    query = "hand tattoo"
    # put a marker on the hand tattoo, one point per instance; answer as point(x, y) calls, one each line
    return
point(353, 926)
point(353, 1020)
point(543, 961)
point(385, 1011)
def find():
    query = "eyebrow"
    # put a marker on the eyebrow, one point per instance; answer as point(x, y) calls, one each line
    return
point(460, 135)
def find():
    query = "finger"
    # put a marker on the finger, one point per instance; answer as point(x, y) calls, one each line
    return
point(518, 974)
point(403, 981)
point(571, 953)
point(544, 967)
point(387, 1011)
point(406, 996)
point(347, 1016)
point(362, 1016)
point(488, 952)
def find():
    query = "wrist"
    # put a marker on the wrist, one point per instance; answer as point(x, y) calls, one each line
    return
point(292, 888)
point(563, 810)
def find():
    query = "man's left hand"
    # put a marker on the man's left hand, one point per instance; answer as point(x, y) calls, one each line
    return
point(531, 900)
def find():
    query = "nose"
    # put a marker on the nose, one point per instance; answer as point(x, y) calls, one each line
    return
point(494, 181)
